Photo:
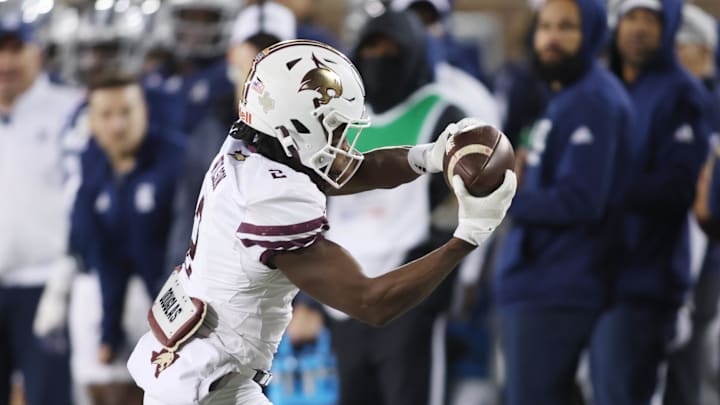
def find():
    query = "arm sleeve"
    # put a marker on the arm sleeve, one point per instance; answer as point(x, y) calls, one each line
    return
point(292, 218)
point(680, 147)
point(714, 192)
point(113, 286)
point(82, 241)
point(84, 244)
point(583, 178)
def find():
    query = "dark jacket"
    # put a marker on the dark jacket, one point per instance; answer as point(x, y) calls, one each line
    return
point(554, 252)
point(120, 225)
point(667, 148)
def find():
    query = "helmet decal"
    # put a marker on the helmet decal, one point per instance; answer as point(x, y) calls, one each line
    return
point(323, 80)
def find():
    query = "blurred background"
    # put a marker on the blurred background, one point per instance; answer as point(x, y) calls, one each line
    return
point(190, 58)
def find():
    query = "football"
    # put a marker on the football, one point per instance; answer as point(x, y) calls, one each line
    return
point(480, 155)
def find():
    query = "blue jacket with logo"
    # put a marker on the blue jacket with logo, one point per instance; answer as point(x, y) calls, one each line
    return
point(120, 225)
point(555, 249)
point(667, 148)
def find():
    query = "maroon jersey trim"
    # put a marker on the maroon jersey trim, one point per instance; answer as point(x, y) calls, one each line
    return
point(284, 230)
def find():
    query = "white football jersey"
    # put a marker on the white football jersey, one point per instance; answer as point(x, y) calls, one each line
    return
point(249, 208)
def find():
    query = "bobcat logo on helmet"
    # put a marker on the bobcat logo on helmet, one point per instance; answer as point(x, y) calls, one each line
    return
point(323, 80)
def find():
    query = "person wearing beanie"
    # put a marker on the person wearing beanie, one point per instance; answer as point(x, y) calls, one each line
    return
point(695, 44)
point(651, 263)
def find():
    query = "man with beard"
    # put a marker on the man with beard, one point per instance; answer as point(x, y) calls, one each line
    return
point(402, 363)
point(551, 281)
point(651, 268)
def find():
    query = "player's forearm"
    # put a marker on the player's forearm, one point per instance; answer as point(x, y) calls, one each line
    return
point(394, 293)
point(382, 168)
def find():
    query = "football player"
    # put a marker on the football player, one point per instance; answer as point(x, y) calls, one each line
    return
point(259, 231)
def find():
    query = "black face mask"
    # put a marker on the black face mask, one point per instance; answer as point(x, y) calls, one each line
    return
point(386, 81)
point(566, 71)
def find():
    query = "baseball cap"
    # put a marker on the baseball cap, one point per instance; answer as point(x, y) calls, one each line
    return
point(629, 5)
point(12, 24)
point(268, 18)
point(698, 27)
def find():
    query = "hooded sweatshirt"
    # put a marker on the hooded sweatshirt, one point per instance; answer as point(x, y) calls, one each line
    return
point(389, 80)
point(384, 228)
point(667, 148)
point(554, 252)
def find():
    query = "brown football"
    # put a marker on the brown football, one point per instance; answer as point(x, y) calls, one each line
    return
point(480, 155)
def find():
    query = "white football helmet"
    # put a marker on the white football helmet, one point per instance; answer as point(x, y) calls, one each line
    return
point(204, 35)
point(300, 92)
point(100, 48)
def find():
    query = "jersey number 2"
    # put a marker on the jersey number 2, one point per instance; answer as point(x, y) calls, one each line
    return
point(277, 174)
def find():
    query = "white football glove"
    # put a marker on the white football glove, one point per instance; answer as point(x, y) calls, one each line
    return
point(428, 157)
point(479, 216)
point(51, 314)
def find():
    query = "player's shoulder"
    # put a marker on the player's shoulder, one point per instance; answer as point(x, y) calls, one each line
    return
point(272, 180)
point(283, 209)
point(263, 180)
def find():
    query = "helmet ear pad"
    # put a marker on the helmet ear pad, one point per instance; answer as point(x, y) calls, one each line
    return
point(300, 92)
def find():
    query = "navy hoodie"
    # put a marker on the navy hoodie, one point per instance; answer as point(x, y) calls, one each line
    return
point(667, 150)
point(713, 86)
point(120, 225)
point(553, 254)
